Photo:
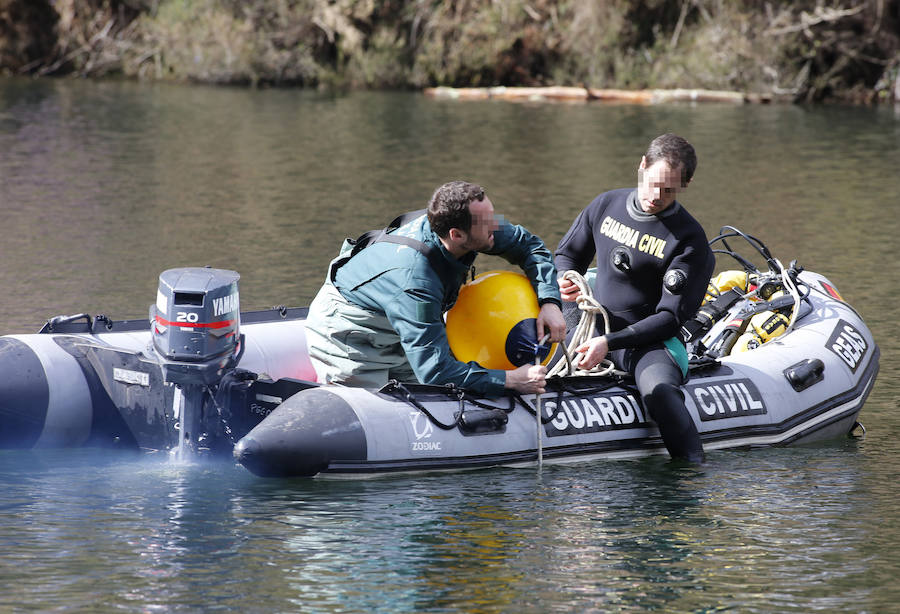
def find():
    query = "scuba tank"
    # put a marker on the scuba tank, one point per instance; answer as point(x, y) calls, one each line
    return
point(726, 340)
point(724, 291)
point(746, 342)
point(769, 324)
point(763, 327)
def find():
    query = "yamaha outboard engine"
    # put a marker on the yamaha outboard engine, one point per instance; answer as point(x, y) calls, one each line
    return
point(195, 326)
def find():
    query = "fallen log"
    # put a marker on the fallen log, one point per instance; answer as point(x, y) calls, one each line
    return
point(584, 94)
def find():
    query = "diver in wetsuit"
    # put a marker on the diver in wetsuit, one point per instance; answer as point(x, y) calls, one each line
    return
point(653, 265)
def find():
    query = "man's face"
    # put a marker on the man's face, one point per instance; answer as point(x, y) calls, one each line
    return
point(481, 236)
point(658, 185)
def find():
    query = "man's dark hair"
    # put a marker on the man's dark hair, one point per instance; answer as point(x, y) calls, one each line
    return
point(449, 206)
point(674, 150)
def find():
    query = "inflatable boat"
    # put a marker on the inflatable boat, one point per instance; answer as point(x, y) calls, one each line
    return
point(777, 357)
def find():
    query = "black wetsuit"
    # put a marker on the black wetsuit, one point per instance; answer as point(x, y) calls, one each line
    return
point(652, 273)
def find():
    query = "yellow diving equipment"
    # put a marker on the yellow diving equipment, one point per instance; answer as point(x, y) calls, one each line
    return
point(725, 281)
point(747, 341)
point(494, 322)
point(763, 327)
point(769, 324)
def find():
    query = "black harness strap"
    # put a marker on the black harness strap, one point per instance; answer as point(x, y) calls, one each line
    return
point(434, 255)
point(436, 259)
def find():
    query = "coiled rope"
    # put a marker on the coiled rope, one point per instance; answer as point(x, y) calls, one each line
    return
point(584, 331)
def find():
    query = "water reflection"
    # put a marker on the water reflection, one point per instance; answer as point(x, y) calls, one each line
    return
point(768, 525)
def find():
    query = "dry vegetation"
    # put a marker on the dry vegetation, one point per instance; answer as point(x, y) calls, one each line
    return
point(806, 50)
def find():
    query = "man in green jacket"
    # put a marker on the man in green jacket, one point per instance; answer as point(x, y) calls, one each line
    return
point(379, 315)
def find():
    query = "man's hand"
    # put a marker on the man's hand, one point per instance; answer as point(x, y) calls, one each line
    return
point(568, 289)
point(551, 320)
point(527, 379)
point(594, 350)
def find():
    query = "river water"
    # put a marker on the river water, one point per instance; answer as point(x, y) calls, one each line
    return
point(105, 185)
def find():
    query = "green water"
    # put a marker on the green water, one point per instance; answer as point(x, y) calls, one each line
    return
point(105, 185)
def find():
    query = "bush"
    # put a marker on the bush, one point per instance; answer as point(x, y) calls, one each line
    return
point(809, 50)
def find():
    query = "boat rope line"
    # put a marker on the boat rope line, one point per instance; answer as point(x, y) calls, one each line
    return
point(791, 285)
point(561, 385)
point(539, 415)
point(585, 330)
point(533, 410)
point(399, 390)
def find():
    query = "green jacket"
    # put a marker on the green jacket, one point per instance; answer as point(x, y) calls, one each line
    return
point(399, 282)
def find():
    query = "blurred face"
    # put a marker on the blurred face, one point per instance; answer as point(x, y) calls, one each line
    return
point(658, 185)
point(481, 235)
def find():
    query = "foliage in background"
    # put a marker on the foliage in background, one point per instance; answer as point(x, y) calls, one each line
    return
point(807, 50)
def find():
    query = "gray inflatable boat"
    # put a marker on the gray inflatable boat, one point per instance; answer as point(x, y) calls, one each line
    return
point(202, 378)
point(777, 358)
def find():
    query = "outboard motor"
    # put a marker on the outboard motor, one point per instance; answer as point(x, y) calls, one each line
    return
point(195, 327)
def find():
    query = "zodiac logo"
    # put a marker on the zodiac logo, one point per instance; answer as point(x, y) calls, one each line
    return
point(416, 419)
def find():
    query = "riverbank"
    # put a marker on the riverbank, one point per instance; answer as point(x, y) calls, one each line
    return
point(803, 51)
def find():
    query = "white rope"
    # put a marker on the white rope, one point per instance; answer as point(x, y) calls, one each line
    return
point(791, 287)
point(585, 330)
point(539, 413)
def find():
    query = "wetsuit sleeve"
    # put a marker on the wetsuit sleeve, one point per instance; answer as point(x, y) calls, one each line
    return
point(577, 249)
point(696, 261)
point(415, 314)
point(527, 251)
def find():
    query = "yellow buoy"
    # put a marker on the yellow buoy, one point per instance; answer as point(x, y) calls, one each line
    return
point(494, 322)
